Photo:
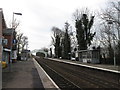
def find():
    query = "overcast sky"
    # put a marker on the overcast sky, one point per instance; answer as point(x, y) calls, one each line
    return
point(39, 16)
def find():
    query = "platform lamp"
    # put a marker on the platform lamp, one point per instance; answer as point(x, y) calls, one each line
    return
point(13, 29)
point(12, 37)
point(111, 22)
point(13, 17)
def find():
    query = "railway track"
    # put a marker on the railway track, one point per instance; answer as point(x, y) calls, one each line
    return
point(60, 80)
point(71, 76)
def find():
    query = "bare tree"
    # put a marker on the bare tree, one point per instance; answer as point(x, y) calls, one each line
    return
point(24, 42)
point(77, 15)
point(19, 38)
point(14, 24)
point(56, 40)
point(107, 39)
point(45, 49)
point(83, 24)
point(111, 16)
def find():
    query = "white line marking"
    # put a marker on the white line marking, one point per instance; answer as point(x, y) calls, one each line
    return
point(36, 63)
point(86, 66)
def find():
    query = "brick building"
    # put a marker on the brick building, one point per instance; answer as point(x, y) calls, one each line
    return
point(7, 45)
point(2, 26)
point(8, 49)
point(0, 34)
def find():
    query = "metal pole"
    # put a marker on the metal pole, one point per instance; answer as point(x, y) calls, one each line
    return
point(114, 45)
point(11, 43)
point(110, 22)
point(13, 20)
point(114, 48)
point(78, 52)
point(114, 55)
point(1, 48)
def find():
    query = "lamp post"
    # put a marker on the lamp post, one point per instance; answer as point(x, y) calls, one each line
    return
point(13, 30)
point(110, 22)
point(13, 18)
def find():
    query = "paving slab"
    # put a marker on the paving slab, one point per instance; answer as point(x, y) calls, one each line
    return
point(22, 74)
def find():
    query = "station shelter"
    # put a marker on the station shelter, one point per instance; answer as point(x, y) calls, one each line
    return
point(89, 56)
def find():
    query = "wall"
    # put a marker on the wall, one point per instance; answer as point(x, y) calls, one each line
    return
point(0, 48)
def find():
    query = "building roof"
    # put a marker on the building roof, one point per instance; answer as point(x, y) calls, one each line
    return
point(3, 20)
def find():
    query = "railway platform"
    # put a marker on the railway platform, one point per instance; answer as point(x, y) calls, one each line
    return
point(110, 68)
point(26, 75)
point(68, 74)
point(30, 75)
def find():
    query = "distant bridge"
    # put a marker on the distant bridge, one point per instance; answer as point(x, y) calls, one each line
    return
point(35, 51)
